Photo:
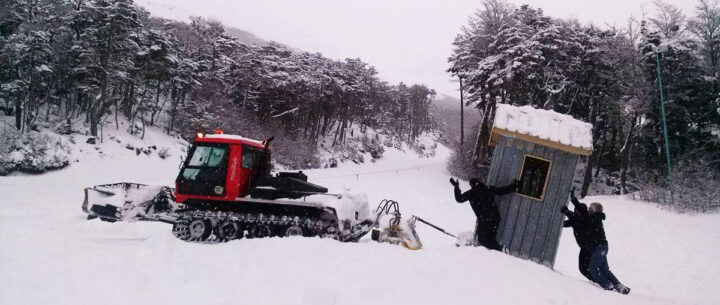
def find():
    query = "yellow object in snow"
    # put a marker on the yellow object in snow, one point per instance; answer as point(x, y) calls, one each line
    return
point(396, 232)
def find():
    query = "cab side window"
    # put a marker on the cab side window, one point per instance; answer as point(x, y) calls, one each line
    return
point(251, 157)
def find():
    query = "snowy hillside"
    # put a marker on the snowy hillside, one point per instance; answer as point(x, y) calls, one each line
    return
point(49, 253)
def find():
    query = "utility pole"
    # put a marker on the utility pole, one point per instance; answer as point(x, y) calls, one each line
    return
point(658, 50)
point(462, 115)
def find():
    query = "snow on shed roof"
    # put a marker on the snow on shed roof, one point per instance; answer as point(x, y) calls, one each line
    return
point(544, 127)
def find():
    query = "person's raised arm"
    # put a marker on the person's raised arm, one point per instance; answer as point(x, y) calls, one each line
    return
point(459, 196)
point(499, 191)
point(579, 206)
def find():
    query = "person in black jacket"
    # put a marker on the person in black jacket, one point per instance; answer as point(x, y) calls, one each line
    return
point(578, 219)
point(599, 268)
point(482, 201)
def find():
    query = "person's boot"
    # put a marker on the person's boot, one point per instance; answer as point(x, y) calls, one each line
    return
point(622, 289)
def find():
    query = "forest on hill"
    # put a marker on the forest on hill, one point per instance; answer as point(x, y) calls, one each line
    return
point(64, 62)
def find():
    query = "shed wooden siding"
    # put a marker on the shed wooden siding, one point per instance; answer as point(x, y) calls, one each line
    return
point(531, 228)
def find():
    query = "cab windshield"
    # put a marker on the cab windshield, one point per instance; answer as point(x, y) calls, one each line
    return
point(205, 170)
point(208, 156)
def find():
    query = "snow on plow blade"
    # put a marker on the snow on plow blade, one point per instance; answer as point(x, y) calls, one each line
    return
point(126, 201)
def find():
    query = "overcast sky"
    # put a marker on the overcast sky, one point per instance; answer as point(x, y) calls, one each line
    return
point(406, 40)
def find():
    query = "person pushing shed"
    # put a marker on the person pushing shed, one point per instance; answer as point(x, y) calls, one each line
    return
point(482, 201)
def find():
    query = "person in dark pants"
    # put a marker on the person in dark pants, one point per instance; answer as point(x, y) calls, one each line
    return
point(482, 201)
point(578, 220)
point(589, 232)
point(599, 268)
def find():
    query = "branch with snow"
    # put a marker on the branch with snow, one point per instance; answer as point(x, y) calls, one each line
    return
point(294, 110)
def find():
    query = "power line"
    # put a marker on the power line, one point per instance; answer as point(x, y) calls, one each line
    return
point(357, 175)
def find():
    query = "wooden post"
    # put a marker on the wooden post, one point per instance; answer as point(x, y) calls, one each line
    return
point(462, 115)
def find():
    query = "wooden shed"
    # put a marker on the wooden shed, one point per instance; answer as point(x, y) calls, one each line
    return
point(542, 149)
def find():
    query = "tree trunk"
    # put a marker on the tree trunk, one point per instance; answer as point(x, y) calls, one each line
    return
point(157, 101)
point(595, 133)
point(625, 153)
point(481, 144)
point(338, 131)
point(599, 154)
point(117, 127)
point(47, 112)
point(68, 112)
point(97, 109)
point(93, 126)
point(173, 112)
point(587, 178)
point(18, 113)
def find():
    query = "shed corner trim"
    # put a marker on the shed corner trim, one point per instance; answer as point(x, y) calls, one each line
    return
point(497, 132)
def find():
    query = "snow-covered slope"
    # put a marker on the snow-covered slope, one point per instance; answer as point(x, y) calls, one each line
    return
point(49, 253)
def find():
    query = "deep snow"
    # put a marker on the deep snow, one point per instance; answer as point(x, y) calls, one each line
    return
point(49, 253)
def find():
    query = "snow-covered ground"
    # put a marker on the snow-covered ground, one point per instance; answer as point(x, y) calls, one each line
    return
point(49, 253)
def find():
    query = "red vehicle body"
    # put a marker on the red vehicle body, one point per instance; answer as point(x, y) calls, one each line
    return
point(239, 172)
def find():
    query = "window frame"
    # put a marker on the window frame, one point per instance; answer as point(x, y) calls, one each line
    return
point(547, 177)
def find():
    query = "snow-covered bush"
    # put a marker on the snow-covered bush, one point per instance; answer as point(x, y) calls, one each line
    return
point(425, 145)
point(694, 187)
point(164, 153)
point(32, 152)
point(605, 183)
point(373, 146)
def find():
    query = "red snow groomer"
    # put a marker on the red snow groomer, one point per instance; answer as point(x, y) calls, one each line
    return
point(225, 191)
point(223, 167)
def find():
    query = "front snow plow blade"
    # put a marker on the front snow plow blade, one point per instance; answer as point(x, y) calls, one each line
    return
point(126, 201)
point(389, 227)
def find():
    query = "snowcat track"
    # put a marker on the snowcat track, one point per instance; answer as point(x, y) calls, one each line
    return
point(250, 225)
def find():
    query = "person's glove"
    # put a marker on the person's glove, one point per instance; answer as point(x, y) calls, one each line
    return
point(564, 209)
point(454, 182)
point(572, 193)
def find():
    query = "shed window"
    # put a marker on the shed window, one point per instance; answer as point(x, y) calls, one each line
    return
point(534, 177)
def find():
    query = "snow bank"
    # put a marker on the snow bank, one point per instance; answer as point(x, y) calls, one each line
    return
point(465, 239)
point(544, 124)
point(32, 152)
point(349, 206)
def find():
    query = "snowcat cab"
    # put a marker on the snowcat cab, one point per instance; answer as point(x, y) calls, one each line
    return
point(226, 167)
